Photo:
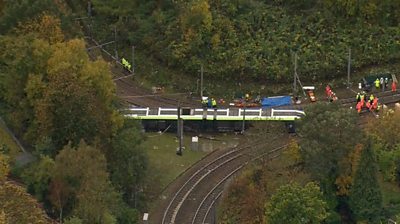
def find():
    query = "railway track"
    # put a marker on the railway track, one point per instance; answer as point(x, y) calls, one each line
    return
point(203, 212)
point(386, 97)
point(200, 191)
point(196, 198)
point(134, 94)
point(131, 93)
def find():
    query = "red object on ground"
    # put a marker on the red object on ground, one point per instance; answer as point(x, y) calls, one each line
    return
point(393, 86)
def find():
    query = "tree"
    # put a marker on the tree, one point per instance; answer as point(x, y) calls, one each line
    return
point(128, 162)
point(245, 199)
point(18, 11)
point(295, 204)
point(73, 220)
point(365, 195)
point(38, 176)
point(327, 135)
point(18, 206)
point(4, 167)
point(20, 56)
point(386, 128)
point(74, 99)
point(128, 215)
point(45, 26)
point(80, 184)
point(116, 8)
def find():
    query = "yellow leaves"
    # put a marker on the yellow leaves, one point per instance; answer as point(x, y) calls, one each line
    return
point(215, 40)
point(4, 167)
point(355, 157)
point(197, 16)
point(98, 76)
point(345, 179)
point(189, 35)
point(46, 27)
point(3, 217)
point(17, 206)
point(386, 128)
point(292, 153)
point(68, 57)
point(34, 88)
point(343, 183)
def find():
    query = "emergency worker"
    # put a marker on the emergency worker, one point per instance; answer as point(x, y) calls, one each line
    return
point(247, 97)
point(358, 107)
point(375, 103)
point(371, 98)
point(204, 101)
point(377, 83)
point(362, 97)
point(213, 103)
point(358, 97)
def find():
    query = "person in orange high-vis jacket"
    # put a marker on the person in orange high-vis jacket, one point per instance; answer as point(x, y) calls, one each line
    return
point(375, 103)
point(368, 105)
point(362, 102)
point(393, 86)
point(359, 107)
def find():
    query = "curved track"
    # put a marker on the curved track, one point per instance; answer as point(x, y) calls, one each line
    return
point(196, 197)
point(202, 214)
point(192, 202)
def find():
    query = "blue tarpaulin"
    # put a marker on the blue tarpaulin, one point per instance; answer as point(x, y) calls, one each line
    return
point(276, 101)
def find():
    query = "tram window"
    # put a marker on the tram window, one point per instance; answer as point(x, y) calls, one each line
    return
point(185, 111)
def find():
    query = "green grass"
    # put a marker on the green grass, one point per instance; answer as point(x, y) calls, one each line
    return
point(8, 141)
point(391, 196)
point(165, 165)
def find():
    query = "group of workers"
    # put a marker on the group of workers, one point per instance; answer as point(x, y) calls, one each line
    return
point(330, 94)
point(382, 84)
point(371, 103)
point(126, 64)
point(208, 102)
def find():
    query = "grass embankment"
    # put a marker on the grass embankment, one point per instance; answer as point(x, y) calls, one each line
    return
point(165, 165)
point(391, 196)
point(7, 143)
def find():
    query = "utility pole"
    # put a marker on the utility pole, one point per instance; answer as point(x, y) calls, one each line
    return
point(89, 11)
point(115, 45)
point(133, 59)
point(295, 75)
point(179, 131)
point(348, 69)
point(296, 78)
point(201, 81)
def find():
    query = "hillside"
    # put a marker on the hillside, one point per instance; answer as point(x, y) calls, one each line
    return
point(255, 40)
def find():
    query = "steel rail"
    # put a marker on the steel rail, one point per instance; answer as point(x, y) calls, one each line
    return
point(225, 178)
point(195, 175)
